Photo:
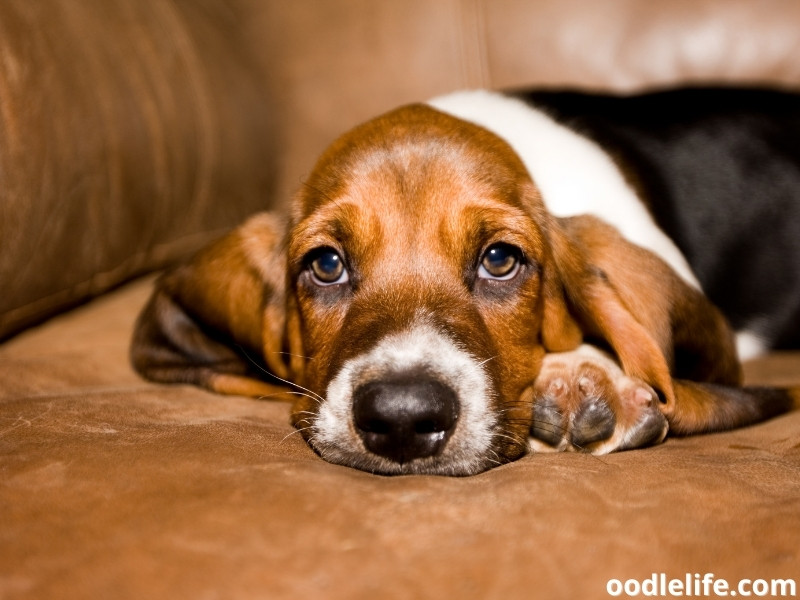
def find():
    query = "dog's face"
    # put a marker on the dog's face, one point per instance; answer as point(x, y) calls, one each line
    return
point(418, 280)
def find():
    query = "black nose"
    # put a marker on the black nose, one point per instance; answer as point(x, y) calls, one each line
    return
point(406, 417)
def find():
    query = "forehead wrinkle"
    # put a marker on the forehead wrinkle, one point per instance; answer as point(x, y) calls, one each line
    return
point(401, 200)
point(478, 223)
point(486, 220)
point(344, 224)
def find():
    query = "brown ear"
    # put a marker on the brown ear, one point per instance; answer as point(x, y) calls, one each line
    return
point(662, 330)
point(218, 321)
point(704, 407)
point(594, 265)
point(560, 330)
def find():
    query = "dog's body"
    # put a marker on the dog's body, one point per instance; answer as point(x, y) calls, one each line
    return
point(697, 176)
point(445, 264)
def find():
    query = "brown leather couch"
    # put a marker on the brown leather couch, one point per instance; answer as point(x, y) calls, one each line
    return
point(132, 132)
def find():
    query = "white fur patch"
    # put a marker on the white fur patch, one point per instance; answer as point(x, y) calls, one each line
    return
point(421, 346)
point(574, 175)
point(749, 345)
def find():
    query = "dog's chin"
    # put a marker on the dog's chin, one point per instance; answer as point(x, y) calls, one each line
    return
point(446, 464)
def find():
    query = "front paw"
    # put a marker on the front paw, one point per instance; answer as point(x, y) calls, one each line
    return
point(584, 402)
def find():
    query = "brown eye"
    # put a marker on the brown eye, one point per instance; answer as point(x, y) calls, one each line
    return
point(327, 268)
point(500, 262)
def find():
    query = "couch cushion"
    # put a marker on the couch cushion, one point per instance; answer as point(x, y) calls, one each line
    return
point(131, 133)
point(114, 487)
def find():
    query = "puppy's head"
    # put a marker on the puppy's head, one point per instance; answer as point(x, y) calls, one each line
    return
point(410, 300)
point(418, 267)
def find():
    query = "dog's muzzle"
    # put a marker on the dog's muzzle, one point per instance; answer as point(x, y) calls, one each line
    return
point(416, 402)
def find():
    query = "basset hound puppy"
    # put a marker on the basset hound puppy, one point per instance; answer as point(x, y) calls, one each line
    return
point(462, 281)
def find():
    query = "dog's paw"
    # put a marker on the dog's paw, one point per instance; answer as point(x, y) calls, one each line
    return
point(584, 402)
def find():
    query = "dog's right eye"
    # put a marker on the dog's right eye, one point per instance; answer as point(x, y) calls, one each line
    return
point(327, 267)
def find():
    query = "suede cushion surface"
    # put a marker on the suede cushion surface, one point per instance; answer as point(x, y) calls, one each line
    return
point(113, 487)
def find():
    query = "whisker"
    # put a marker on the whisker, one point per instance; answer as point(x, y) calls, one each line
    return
point(550, 428)
point(289, 392)
point(286, 381)
point(510, 409)
point(480, 364)
point(512, 438)
point(300, 430)
point(293, 393)
point(295, 355)
point(314, 395)
point(496, 460)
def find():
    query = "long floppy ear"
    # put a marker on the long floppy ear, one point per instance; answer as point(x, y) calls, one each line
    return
point(593, 264)
point(560, 331)
point(662, 330)
point(218, 321)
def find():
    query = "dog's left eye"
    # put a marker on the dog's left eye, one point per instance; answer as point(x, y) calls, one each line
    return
point(327, 268)
point(500, 262)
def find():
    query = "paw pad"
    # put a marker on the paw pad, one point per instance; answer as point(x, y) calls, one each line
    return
point(594, 421)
